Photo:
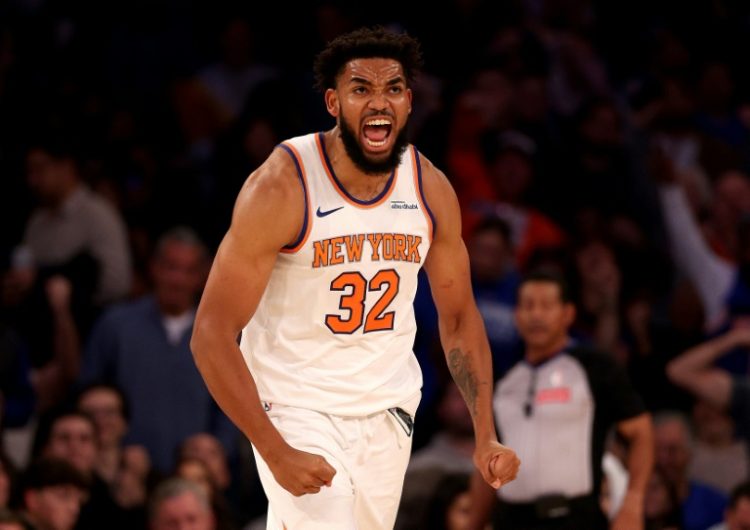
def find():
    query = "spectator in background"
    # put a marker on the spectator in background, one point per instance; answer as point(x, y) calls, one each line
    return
point(53, 380)
point(450, 505)
point(700, 505)
point(227, 501)
point(11, 521)
point(40, 346)
point(53, 491)
point(731, 202)
point(661, 509)
point(71, 221)
point(737, 514)
point(574, 395)
point(495, 282)
point(600, 170)
point(233, 77)
point(71, 436)
point(449, 451)
point(695, 371)
point(509, 158)
point(124, 469)
point(74, 258)
point(143, 348)
point(723, 286)
point(719, 459)
point(717, 114)
point(482, 106)
point(196, 471)
point(107, 407)
point(208, 449)
point(8, 480)
point(598, 297)
point(16, 391)
point(179, 503)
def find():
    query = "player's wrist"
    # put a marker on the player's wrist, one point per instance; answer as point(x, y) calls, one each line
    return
point(272, 447)
point(484, 432)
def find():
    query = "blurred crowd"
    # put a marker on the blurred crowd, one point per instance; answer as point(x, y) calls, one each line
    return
point(609, 141)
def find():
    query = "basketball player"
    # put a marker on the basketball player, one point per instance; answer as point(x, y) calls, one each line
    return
point(318, 270)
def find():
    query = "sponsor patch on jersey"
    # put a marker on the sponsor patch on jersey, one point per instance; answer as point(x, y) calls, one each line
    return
point(560, 394)
point(403, 205)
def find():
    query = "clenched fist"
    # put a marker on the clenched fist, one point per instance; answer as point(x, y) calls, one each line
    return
point(299, 472)
point(497, 464)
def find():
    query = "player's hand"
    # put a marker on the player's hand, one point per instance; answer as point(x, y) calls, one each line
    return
point(497, 464)
point(299, 472)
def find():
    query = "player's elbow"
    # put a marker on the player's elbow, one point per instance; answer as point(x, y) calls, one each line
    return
point(200, 341)
point(458, 319)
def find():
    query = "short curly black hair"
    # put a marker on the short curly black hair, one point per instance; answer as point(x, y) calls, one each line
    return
point(366, 43)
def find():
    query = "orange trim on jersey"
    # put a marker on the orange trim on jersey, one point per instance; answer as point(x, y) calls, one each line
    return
point(415, 169)
point(306, 188)
point(339, 189)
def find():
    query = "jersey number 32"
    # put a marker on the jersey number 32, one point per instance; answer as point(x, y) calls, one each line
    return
point(377, 319)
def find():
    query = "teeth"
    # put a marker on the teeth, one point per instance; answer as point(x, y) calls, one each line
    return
point(375, 144)
point(378, 122)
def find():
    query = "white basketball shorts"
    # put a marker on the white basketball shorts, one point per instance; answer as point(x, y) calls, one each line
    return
point(370, 455)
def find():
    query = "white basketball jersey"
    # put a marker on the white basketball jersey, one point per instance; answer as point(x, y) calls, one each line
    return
point(335, 327)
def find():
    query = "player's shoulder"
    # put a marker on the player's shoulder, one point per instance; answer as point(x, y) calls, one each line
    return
point(276, 179)
point(436, 185)
point(277, 172)
point(431, 174)
point(272, 191)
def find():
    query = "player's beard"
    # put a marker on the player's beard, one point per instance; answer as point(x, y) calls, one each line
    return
point(360, 158)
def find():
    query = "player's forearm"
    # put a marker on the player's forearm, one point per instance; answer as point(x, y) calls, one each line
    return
point(469, 360)
point(222, 367)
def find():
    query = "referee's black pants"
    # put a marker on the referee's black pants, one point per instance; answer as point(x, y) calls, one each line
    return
point(583, 514)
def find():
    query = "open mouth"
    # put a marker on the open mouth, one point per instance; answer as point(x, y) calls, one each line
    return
point(376, 131)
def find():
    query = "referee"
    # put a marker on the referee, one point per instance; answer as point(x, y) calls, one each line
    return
point(555, 407)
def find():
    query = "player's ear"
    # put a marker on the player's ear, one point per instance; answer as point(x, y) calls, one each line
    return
point(332, 102)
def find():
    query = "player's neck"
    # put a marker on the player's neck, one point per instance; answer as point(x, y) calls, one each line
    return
point(357, 183)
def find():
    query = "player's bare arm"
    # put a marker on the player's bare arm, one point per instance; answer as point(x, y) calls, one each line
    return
point(638, 432)
point(462, 331)
point(268, 215)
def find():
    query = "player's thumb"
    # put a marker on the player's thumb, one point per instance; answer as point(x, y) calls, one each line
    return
point(489, 474)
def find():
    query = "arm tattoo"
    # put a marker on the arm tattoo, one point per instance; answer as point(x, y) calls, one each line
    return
point(463, 374)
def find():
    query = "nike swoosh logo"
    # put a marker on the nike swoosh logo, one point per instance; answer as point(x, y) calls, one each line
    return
point(321, 213)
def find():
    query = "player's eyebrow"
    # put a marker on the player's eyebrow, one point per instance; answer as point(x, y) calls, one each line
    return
point(362, 81)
